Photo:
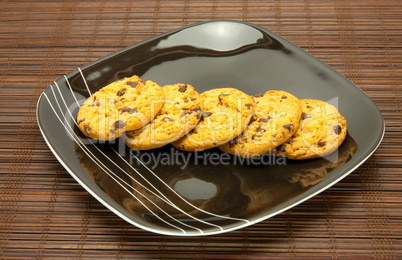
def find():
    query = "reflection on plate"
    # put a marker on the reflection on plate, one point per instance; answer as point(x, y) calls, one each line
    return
point(199, 194)
point(168, 191)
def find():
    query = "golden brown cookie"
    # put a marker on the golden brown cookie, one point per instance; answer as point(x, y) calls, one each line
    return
point(227, 112)
point(276, 118)
point(123, 105)
point(322, 130)
point(180, 114)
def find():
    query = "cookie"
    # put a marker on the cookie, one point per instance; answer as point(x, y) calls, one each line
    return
point(322, 130)
point(276, 118)
point(180, 113)
point(226, 113)
point(123, 105)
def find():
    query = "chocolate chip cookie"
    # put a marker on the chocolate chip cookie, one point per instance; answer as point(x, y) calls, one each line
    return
point(226, 113)
point(123, 105)
point(180, 113)
point(322, 130)
point(276, 118)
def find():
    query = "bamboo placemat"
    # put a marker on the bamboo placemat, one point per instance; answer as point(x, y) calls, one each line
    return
point(44, 213)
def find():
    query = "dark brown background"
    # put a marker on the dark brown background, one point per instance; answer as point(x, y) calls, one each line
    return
point(44, 213)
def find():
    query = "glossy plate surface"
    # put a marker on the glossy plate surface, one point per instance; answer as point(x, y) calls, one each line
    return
point(176, 193)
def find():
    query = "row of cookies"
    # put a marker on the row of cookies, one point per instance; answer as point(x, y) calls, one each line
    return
point(148, 116)
point(286, 126)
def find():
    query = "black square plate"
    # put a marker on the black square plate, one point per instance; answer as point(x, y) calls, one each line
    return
point(176, 193)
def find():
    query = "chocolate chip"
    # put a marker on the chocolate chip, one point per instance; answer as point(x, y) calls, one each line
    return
point(222, 95)
point(186, 100)
point(112, 131)
point(259, 95)
point(232, 142)
point(167, 119)
point(186, 112)
point(129, 110)
point(274, 136)
point(198, 111)
point(308, 106)
point(284, 97)
point(183, 88)
point(260, 129)
point(281, 148)
point(87, 128)
point(121, 92)
point(305, 116)
point(337, 129)
point(288, 126)
point(117, 100)
point(193, 99)
point(119, 124)
point(249, 106)
point(132, 84)
point(263, 120)
point(320, 143)
point(255, 136)
point(81, 120)
point(206, 114)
